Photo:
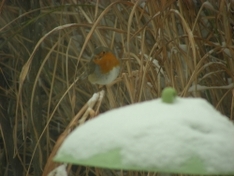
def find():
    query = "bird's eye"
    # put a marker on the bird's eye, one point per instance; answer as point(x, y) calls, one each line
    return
point(100, 55)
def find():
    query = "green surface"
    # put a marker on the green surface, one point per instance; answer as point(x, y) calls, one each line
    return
point(112, 160)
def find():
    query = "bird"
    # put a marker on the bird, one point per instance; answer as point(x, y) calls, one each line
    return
point(104, 67)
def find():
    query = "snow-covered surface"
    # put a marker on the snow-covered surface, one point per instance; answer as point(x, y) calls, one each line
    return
point(154, 134)
point(59, 171)
point(95, 97)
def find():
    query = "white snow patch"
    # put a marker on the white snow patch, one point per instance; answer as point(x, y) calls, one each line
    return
point(59, 171)
point(156, 134)
point(199, 87)
point(149, 84)
point(183, 47)
point(95, 97)
point(155, 62)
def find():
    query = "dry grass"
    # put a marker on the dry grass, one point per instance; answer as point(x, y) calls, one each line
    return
point(45, 48)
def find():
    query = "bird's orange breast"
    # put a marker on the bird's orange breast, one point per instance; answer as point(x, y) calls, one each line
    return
point(107, 61)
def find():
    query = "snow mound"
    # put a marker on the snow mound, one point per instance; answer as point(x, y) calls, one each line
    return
point(154, 134)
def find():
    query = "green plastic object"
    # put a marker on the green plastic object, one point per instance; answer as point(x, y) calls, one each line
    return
point(166, 135)
point(112, 160)
point(168, 95)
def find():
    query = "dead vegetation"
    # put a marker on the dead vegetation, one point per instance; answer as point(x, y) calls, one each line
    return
point(44, 49)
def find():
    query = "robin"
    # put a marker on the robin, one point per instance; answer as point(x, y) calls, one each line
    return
point(104, 67)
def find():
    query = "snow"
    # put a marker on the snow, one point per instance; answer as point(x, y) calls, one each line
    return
point(199, 87)
point(94, 98)
point(155, 62)
point(154, 134)
point(59, 171)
